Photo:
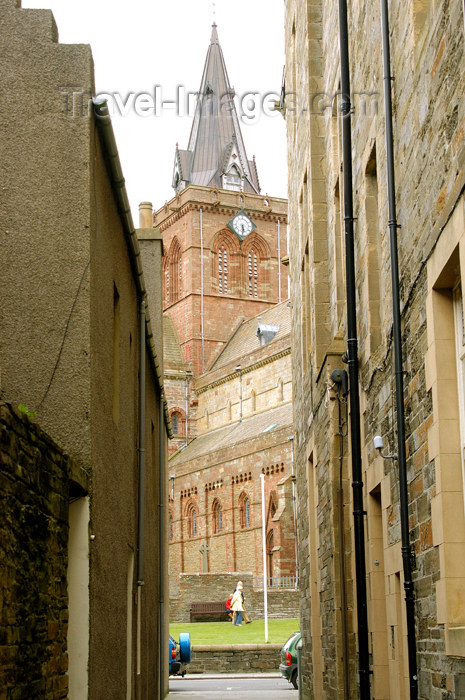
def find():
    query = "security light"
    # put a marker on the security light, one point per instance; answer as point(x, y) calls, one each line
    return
point(378, 442)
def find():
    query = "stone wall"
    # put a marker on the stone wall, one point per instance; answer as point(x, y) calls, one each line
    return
point(33, 552)
point(197, 588)
point(235, 658)
point(427, 53)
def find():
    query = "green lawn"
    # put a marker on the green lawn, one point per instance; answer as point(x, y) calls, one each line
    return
point(226, 633)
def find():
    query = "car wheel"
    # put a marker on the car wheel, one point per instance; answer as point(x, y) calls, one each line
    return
point(294, 680)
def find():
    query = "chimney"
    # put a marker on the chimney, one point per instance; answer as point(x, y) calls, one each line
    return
point(145, 215)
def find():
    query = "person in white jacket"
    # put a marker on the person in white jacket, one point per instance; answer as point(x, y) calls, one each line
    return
point(237, 606)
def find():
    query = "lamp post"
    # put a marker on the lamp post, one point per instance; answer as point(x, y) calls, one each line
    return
point(265, 580)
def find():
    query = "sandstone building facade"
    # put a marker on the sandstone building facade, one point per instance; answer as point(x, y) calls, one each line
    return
point(80, 350)
point(428, 68)
point(227, 348)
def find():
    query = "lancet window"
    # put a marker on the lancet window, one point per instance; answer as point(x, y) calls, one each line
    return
point(223, 270)
point(253, 273)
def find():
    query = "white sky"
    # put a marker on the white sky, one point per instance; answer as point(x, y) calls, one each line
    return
point(143, 43)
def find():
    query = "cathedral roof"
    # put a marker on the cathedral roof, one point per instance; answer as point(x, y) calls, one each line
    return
point(172, 355)
point(247, 337)
point(216, 147)
point(253, 427)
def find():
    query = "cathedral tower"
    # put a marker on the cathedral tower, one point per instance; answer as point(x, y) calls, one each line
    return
point(223, 241)
point(227, 369)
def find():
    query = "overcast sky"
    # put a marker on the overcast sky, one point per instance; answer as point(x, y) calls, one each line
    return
point(142, 44)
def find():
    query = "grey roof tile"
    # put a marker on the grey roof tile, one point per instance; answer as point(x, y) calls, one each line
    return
point(230, 435)
point(245, 338)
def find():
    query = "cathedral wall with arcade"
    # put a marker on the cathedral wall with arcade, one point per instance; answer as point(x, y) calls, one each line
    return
point(230, 479)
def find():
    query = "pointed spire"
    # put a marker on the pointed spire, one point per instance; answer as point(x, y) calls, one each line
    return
point(216, 146)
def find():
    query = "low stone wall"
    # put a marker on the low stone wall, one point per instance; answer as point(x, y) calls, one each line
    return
point(235, 658)
point(212, 587)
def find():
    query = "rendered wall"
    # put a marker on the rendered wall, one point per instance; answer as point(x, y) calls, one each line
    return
point(70, 340)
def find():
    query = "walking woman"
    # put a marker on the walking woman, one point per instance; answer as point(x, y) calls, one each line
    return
point(236, 605)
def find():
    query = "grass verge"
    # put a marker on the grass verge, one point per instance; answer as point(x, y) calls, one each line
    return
point(225, 632)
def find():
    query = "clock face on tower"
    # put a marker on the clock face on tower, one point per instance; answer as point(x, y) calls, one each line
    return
point(241, 224)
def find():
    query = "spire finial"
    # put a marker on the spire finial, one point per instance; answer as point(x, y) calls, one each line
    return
point(214, 36)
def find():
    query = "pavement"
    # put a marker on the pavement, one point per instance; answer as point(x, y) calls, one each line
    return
point(216, 676)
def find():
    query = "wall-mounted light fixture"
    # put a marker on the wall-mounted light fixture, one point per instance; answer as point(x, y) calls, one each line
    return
point(379, 444)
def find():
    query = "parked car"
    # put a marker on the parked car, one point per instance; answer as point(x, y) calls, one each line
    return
point(288, 666)
point(179, 654)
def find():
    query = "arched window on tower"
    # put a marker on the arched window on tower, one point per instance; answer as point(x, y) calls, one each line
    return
point(217, 517)
point(222, 270)
point(174, 273)
point(166, 271)
point(253, 273)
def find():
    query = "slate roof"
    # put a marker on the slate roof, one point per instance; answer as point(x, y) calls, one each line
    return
point(245, 338)
point(215, 129)
point(172, 355)
point(230, 435)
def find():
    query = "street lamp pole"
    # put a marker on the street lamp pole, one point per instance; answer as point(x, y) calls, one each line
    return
point(265, 579)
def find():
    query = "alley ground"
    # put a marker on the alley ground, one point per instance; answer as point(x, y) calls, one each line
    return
point(232, 687)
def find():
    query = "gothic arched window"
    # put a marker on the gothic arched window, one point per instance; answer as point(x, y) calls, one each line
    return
point(223, 270)
point(173, 278)
point(252, 270)
point(171, 526)
point(225, 258)
point(217, 517)
point(166, 273)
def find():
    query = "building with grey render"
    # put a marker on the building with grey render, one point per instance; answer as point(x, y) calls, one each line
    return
point(77, 351)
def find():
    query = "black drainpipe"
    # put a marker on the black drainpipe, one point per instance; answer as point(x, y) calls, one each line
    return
point(339, 377)
point(403, 486)
point(352, 352)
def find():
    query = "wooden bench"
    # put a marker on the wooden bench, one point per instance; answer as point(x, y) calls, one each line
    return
point(209, 609)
